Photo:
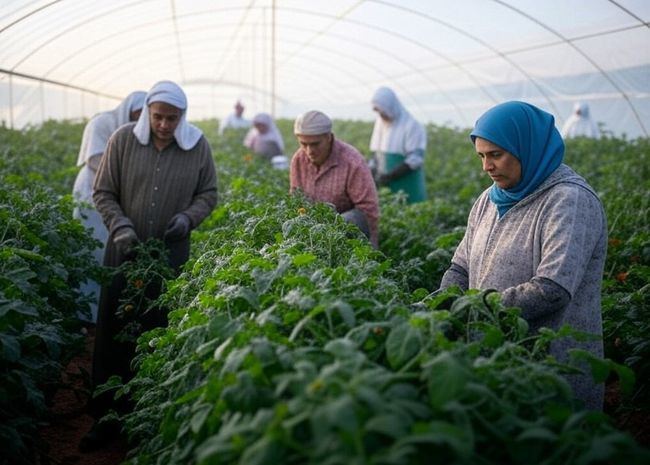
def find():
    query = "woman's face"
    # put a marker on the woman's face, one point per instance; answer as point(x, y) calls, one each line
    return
point(501, 166)
point(383, 115)
point(261, 127)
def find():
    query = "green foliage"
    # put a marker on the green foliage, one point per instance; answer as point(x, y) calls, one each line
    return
point(45, 155)
point(146, 278)
point(44, 255)
point(292, 341)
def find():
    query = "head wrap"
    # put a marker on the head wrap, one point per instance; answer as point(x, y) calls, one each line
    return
point(580, 124)
point(403, 134)
point(312, 123)
point(273, 134)
point(186, 134)
point(529, 134)
point(387, 102)
point(101, 126)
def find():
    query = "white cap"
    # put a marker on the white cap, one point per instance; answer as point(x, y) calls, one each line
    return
point(312, 123)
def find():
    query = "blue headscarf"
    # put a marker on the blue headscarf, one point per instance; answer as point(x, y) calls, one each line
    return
point(529, 134)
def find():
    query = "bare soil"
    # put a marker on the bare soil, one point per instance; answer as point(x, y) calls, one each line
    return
point(69, 421)
point(635, 422)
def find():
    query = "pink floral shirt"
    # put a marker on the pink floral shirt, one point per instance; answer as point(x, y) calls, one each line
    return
point(344, 180)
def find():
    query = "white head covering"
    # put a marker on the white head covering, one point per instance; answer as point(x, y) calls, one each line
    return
point(102, 125)
point(580, 124)
point(187, 135)
point(401, 135)
point(273, 134)
point(312, 123)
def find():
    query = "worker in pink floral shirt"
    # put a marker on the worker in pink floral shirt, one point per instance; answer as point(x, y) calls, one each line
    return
point(329, 170)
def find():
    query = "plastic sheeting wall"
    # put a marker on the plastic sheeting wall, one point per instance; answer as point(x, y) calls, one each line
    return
point(448, 61)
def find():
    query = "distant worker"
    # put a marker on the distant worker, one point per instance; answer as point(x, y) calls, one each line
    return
point(235, 120)
point(398, 142)
point(93, 143)
point(264, 138)
point(157, 180)
point(580, 124)
point(329, 170)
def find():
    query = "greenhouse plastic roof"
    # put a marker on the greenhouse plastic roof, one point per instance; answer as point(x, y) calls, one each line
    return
point(448, 61)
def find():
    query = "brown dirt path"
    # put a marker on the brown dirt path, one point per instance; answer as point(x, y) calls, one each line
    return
point(69, 422)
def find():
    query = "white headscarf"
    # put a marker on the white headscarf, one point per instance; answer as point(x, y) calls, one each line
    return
point(580, 124)
point(102, 125)
point(187, 135)
point(273, 134)
point(403, 134)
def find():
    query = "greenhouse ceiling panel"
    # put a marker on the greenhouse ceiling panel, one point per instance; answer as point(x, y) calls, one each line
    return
point(448, 61)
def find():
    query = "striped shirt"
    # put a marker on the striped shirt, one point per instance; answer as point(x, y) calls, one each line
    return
point(137, 185)
point(344, 180)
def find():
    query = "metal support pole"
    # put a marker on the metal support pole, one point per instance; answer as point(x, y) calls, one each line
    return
point(11, 102)
point(273, 61)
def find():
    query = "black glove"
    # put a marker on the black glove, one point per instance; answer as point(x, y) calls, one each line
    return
point(396, 173)
point(178, 227)
point(125, 239)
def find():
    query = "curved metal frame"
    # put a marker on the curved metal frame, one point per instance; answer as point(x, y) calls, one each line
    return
point(341, 17)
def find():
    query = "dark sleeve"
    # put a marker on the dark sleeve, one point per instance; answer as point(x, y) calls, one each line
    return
point(205, 194)
point(455, 275)
point(537, 297)
point(106, 188)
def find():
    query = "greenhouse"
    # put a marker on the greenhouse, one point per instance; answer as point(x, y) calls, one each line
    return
point(70, 59)
point(297, 287)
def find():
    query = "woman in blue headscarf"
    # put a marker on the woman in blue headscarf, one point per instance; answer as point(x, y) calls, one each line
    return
point(538, 234)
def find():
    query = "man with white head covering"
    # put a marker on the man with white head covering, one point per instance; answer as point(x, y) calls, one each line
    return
point(329, 170)
point(157, 180)
point(93, 143)
point(235, 120)
point(398, 142)
point(264, 138)
point(580, 124)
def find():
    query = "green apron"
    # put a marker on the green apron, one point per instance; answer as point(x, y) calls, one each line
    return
point(412, 184)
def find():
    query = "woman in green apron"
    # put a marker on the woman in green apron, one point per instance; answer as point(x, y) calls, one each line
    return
point(398, 142)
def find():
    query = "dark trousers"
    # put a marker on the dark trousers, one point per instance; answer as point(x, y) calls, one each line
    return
point(110, 355)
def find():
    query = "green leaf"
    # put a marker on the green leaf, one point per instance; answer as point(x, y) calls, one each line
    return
point(199, 417)
point(303, 259)
point(392, 425)
point(446, 379)
point(264, 451)
point(10, 347)
point(626, 376)
point(493, 337)
point(18, 307)
point(346, 311)
point(402, 344)
point(537, 433)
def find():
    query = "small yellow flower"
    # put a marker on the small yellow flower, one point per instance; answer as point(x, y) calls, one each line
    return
point(302, 211)
point(128, 308)
point(248, 158)
point(315, 386)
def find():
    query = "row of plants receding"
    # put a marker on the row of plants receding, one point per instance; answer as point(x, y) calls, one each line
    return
point(292, 341)
point(44, 255)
